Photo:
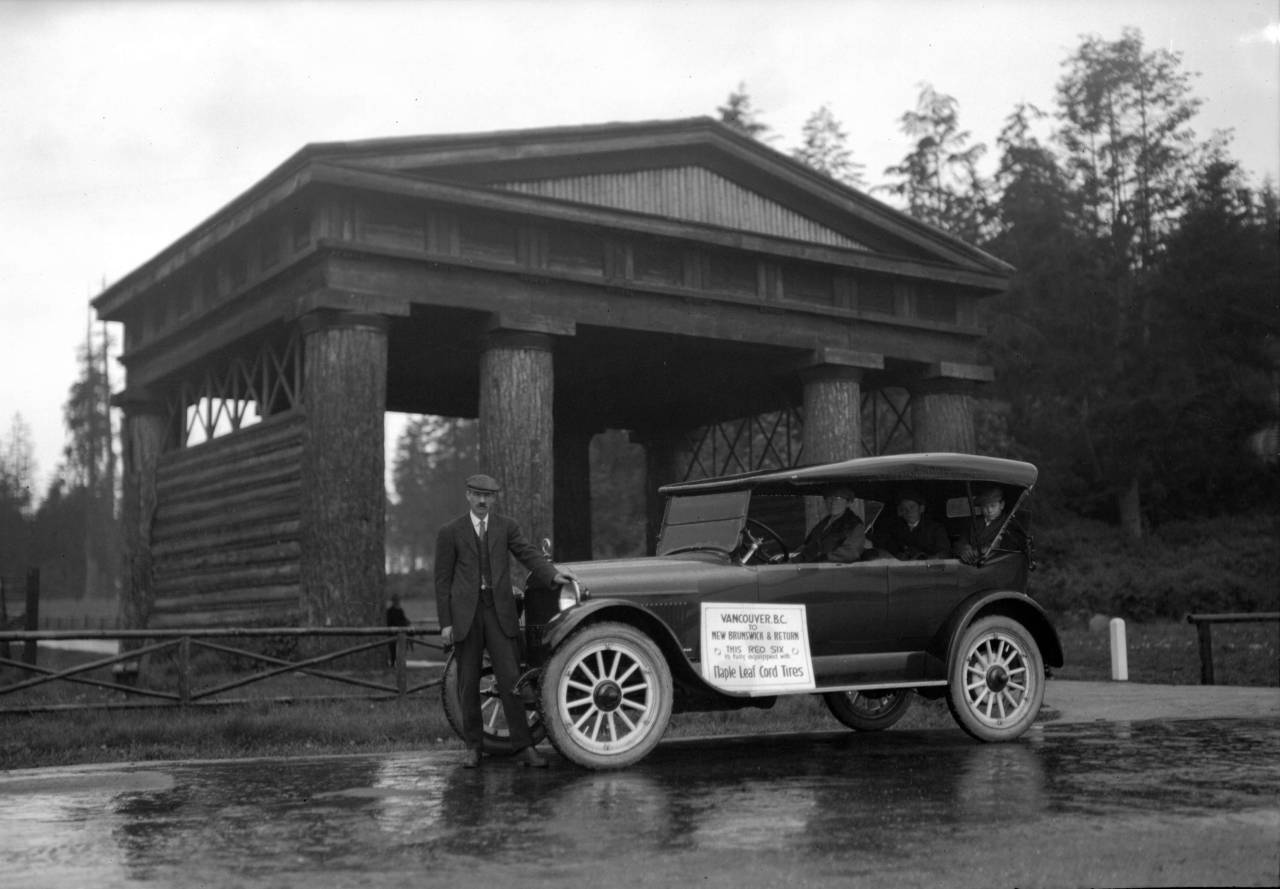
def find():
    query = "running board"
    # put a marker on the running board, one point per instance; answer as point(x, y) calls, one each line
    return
point(863, 686)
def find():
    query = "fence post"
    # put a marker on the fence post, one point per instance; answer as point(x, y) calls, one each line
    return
point(1204, 630)
point(1119, 651)
point(184, 671)
point(32, 619)
point(4, 621)
point(402, 667)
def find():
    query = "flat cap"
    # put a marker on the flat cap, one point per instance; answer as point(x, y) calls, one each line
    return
point(912, 494)
point(988, 495)
point(484, 483)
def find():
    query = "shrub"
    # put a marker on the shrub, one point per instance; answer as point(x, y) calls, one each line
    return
point(1229, 564)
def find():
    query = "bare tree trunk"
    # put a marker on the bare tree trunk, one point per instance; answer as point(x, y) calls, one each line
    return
point(1130, 505)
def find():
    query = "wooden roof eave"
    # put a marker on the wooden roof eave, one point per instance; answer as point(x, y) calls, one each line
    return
point(478, 150)
point(959, 264)
point(268, 193)
point(501, 200)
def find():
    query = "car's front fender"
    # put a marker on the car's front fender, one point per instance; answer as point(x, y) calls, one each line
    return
point(568, 621)
point(1016, 605)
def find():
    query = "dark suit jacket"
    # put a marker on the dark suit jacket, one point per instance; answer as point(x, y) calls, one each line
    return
point(834, 539)
point(980, 535)
point(927, 541)
point(457, 572)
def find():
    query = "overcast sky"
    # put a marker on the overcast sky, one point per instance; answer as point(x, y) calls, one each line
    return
point(123, 125)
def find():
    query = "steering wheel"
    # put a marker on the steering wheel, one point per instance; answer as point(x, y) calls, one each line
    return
point(769, 548)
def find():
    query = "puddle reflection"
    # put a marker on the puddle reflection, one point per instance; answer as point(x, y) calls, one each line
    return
point(834, 799)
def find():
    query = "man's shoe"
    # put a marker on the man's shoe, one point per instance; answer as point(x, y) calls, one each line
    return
point(530, 759)
point(473, 760)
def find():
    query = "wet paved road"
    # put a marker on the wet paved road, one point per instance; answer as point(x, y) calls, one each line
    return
point(1172, 803)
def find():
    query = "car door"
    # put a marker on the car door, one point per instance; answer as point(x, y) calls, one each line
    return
point(921, 597)
point(844, 604)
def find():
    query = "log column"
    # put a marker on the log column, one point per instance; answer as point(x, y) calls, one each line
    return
point(517, 385)
point(142, 440)
point(833, 410)
point(942, 408)
point(343, 468)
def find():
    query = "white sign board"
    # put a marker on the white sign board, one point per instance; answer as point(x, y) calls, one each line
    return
point(756, 649)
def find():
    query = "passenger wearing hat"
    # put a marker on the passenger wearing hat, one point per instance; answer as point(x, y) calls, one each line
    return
point(837, 537)
point(477, 610)
point(986, 525)
point(911, 534)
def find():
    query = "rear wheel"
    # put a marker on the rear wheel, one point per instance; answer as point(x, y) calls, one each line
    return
point(996, 680)
point(497, 735)
point(871, 710)
point(606, 696)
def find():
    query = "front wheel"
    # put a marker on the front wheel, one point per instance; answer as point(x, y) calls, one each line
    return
point(497, 736)
point(996, 682)
point(869, 711)
point(606, 696)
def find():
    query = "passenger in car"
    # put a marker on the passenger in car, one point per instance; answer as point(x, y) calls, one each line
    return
point(911, 534)
point(837, 537)
point(985, 525)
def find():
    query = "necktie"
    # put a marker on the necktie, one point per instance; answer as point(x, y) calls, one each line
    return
point(486, 579)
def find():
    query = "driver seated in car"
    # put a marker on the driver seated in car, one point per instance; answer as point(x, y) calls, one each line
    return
point(911, 534)
point(837, 537)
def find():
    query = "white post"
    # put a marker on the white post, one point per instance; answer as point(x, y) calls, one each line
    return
point(1119, 655)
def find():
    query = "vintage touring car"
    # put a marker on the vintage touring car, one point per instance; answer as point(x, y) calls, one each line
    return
point(726, 615)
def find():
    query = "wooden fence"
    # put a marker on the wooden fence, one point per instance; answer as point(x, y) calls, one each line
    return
point(1204, 630)
point(127, 681)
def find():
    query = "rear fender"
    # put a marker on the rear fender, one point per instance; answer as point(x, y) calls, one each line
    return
point(1010, 603)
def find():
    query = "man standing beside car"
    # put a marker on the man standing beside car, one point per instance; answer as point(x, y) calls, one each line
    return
point(477, 611)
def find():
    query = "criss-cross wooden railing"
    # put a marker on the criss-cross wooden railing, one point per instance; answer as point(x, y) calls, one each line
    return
point(184, 686)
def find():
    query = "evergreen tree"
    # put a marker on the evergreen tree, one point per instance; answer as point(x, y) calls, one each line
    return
point(434, 456)
point(1129, 154)
point(1049, 362)
point(58, 538)
point(824, 147)
point(738, 113)
point(17, 472)
point(938, 180)
point(1213, 329)
point(1125, 115)
point(89, 463)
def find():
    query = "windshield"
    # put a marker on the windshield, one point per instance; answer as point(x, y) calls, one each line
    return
point(703, 521)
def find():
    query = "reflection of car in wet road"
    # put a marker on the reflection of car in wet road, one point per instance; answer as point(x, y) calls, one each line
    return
point(724, 616)
point(1088, 803)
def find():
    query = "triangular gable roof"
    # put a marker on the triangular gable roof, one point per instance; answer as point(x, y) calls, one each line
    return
point(661, 168)
point(693, 170)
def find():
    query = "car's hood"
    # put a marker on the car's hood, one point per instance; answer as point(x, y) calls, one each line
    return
point(687, 573)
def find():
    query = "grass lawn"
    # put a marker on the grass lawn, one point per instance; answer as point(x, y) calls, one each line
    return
point(1158, 652)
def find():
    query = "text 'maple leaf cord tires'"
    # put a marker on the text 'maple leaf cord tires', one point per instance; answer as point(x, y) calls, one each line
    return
point(497, 737)
point(605, 696)
point(871, 710)
point(996, 681)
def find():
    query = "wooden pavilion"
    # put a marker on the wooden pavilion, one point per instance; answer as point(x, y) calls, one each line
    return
point(728, 306)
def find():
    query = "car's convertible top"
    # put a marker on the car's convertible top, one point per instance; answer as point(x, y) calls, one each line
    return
point(894, 469)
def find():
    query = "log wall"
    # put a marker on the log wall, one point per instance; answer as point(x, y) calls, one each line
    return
point(225, 541)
